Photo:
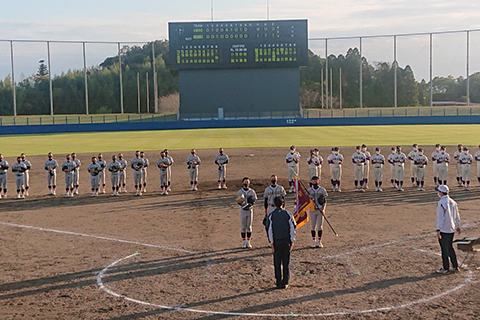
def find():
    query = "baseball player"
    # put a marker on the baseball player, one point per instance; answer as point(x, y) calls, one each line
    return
point(366, 166)
point(3, 177)
point(246, 198)
point(314, 165)
point(465, 160)
point(76, 173)
point(137, 165)
point(122, 177)
point(443, 159)
point(51, 168)
point(292, 159)
point(413, 167)
point(399, 160)
point(19, 169)
point(94, 169)
point(420, 162)
point(27, 172)
point(378, 161)
point(335, 160)
point(358, 159)
point(319, 196)
point(271, 192)
point(114, 168)
point(144, 170)
point(169, 169)
point(101, 173)
point(68, 167)
point(390, 160)
point(193, 161)
point(458, 165)
point(434, 164)
point(221, 160)
point(163, 163)
point(477, 158)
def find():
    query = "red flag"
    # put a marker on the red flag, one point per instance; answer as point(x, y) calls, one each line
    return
point(303, 204)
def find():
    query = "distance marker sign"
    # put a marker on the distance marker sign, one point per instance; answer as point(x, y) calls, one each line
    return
point(238, 44)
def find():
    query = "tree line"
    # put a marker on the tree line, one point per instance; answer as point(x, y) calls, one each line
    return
point(33, 95)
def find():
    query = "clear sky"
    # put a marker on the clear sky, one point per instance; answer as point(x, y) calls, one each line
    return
point(143, 21)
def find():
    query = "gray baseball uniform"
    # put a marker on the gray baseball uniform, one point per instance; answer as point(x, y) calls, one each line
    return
point(94, 170)
point(68, 167)
point(3, 175)
point(477, 158)
point(163, 164)
point(76, 172)
point(358, 159)
point(193, 162)
point(413, 168)
point(314, 166)
point(19, 169)
point(101, 173)
point(271, 193)
point(114, 168)
point(442, 166)
point(169, 169)
point(316, 217)
point(335, 161)
point(399, 159)
point(51, 166)
point(221, 161)
point(144, 170)
point(465, 160)
point(137, 164)
point(28, 165)
point(458, 166)
point(435, 154)
point(123, 173)
point(390, 159)
point(378, 160)
point(366, 166)
point(246, 212)
point(420, 162)
point(292, 160)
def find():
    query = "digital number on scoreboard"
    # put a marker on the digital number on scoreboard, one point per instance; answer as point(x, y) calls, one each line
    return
point(239, 44)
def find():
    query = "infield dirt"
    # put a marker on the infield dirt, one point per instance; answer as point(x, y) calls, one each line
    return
point(384, 256)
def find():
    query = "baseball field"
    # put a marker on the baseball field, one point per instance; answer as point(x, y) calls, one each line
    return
point(179, 256)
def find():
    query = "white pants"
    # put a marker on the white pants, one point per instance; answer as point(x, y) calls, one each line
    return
point(163, 177)
point(101, 178)
point(222, 173)
point(378, 171)
point(194, 175)
point(316, 220)
point(466, 172)
point(366, 170)
point(399, 172)
point(122, 178)
point(246, 218)
point(435, 169)
point(3, 181)
point(420, 172)
point(459, 169)
point(52, 178)
point(20, 182)
point(94, 181)
point(336, 172)
point(76, 178)
point(358, 168)
point(68, 180)
point(413, 169)
point(292, 172)
point(315, 172)
point(144, 176)
point(442, 171)
point(392, 172)
point(137, 178)
point(115, 178)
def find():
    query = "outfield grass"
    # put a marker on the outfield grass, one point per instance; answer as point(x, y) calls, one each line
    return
point(240, 138)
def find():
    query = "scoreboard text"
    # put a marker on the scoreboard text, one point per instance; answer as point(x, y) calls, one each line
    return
point(240, 44)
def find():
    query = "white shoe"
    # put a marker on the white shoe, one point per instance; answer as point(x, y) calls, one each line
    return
point(339, 190)
point(165, 193)
point(195, 188)
point(225, 186)
point(169, 189)
point(320, 244)
point(75, 192)
point(292, 189)
point(96, 193)
point(113, 194)
point(26, 194)
point(400, 189)
point(421, 189)
point(418, 189)
point(219, 186)
point(394, 186)
point(365, 187)
point(380, 189)
point(54, 193)
point(362, 190)
point(49, 192)
point(18, 197)
point(314, 244)
point(244, 244)
point(67, 195)
point(93, 194)
point(103, 191)
point(376, 189)
point(4, 196)
point(249, 245)
point(356, 189)
point(192, 188)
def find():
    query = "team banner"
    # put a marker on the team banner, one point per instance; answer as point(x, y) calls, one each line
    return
point(303, 204)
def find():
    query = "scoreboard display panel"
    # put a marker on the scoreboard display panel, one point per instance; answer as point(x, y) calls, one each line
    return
point(238, 44)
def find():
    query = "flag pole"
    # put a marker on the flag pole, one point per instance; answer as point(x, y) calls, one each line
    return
point(323, 214)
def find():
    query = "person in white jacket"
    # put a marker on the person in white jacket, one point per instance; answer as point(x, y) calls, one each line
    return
point(448, 221)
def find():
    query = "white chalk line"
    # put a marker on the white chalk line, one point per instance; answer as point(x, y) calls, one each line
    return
point(94, 237)
point(111, 292)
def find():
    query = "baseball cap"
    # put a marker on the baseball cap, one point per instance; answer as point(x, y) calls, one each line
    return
point(442, 188)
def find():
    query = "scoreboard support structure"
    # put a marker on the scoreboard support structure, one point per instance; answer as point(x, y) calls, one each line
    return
point(238, 68)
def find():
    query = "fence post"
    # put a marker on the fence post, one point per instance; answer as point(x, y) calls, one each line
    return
point(393, 112)
point(41, 120)
point(444, 112)
point(418, 112)
point(457, 111)
point(66, 120)
point(116, 118)
point(380, 113)
point(27, 121)
point(78, 119)
point(319, 113)
point(344, 113)
point(103, 119)
point(53, 120)
point(470, 110)
point(405, 112)
point(356, 114)
point(128, 118)
point(164, 117)
point(91, 119)
point(431, 112)
point(331, 113)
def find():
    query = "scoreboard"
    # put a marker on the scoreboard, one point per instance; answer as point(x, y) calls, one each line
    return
point(238, 44)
